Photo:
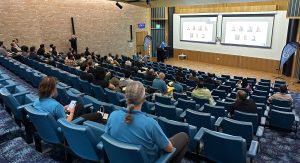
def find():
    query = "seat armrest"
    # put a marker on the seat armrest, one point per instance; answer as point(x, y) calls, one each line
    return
point(263, 121)
point(266, 113)
point(23, 106)
point(178, 111)
point(100, 146)
point(260, 131)
point(296, 118)
point(183, 114)
point(20, 94)
point(253, 149)
point(218, 122)
point(199, 135)
point(202, 108)
point(197, 106)
point(166, 157)
point(89, 106)
point(78, 120)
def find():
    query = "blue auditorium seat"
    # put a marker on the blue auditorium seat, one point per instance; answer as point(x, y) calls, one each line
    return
point(217, 111)
point(115, 98)
point(220, 147)
point(165, 100)
point(148, 107)
point(201, 101)
point(187, 104)
point(168, 111)
point(128, 153)
point(171, 127)
point(177, 95)
point(226, 105)
point(281, 103)
point(82, 139)
point(199, 119)
point(98, 92)
point(283, 120)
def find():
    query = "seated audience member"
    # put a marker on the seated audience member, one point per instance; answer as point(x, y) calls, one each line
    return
point(87, 52)
point(150, 75)
point(180, 73)
point(243, 104)
point(193, 76)
point(84, 74)
point(246, 86)
point(110, 60)
point(32, 54)
point(46, 102)
point(203, 93)
point(90, 66)
point(239, 84)
point(16, 41)
point(101, 78)
point(177, 86)
point(3, 50)
point(78, 60)
point(54, 51)
point(41, 50)
point(126, 80)
point(51, 48)
point(128, 63)
point(130, 125)
point(160, 84)
point(282, 95)
point(70, 61)
point(210, 79)
point(14, 48)
point(25, 51)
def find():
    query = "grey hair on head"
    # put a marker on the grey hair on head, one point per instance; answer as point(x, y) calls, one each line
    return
point(135, 95)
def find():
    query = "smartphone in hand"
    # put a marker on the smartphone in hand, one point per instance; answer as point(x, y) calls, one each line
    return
point(72, 104)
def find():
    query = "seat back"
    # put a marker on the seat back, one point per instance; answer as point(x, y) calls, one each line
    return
point(81, 140)
point(112, 97)
point(259, 99)
point(127, 153)
point(201, 101)
point(163, 100)
point(217, 111)
point(45, 124)
point(168, 111)
point(177, 95)
point(199, 119)
point(281, 103)
point(281, 119)
point(260, 93)
point(220, 93)
point(285, 109)
point(85, 87)
point(247, 117)
point(238, 128)
point(186, 104)
point(262, 88)
point(98, 92)
point(226, 105)
point(225, 88)
point(217, 145)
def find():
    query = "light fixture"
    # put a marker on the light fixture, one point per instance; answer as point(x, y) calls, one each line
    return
point(119, 5)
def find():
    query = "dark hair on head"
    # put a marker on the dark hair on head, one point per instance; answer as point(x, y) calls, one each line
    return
point(47, 87)
point(242, 95)
point(24, 48)
point(244, 83)
point(1, 43)
point(178, 78)
point(100, 73)
point(127, 74)
point(83, 66)
point(32, 49)
point(200, 84)
point(70, 56)
point(283, 88)
point(135, 95)
point(87, 48)
point(194, 73)
point(42, 46)
point(51, 45)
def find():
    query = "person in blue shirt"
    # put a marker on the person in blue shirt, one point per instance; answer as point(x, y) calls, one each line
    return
point(160, 84)
point(46, 103)
point(177, 86)
point(130, 125)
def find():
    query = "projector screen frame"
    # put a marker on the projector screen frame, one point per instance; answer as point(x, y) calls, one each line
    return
point(205, 16)
point(248, 15)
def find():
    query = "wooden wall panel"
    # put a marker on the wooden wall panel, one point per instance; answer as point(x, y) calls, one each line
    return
point(235, 7)
point(266, 65)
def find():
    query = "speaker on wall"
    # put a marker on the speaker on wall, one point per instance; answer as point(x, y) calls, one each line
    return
point(131, 34)
point(73, 26)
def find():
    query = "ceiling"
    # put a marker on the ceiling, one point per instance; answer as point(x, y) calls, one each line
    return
point(172, 3)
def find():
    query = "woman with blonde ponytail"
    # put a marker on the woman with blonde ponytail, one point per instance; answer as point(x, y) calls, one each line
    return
point(131, 125)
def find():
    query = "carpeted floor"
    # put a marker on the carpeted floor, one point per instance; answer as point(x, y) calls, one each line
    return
point(275, 146)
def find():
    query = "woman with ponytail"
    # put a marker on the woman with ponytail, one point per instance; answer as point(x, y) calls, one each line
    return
point(131, 125)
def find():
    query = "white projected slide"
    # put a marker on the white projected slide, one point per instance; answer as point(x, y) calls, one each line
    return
point(198, 29)
point(249, 31)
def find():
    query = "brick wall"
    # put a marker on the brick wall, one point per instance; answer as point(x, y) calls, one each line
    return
point(99, 24)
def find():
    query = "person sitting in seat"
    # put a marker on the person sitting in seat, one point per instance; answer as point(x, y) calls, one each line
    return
point(130, 125)
point(101, 78)
point(243, 104)
point(126, 80)
point(46, 103)
point(193, 76)
point(160, 84)
point(282, 95)
point(177, 86)
point(203, 93)
point(84, 74)
point(70, 61)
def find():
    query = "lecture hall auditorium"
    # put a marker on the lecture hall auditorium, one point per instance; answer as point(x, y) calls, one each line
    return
point(142, 81)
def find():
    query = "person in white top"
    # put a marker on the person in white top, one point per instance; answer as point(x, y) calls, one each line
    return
point(282, 95)
point(126, 80)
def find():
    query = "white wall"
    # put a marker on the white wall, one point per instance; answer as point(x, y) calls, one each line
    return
point(278, 41)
